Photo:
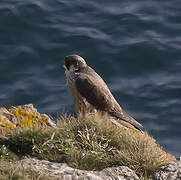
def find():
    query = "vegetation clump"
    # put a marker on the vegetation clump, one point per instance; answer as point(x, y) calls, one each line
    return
point(90, 142)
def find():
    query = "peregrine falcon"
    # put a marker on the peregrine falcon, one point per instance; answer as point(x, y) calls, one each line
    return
point(90, 93)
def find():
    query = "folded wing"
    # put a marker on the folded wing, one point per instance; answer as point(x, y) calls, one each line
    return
point(96, 92)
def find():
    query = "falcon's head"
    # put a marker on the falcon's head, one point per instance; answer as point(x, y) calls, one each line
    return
point(74, 63)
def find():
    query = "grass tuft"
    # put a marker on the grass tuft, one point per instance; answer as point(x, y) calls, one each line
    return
point(90, 142)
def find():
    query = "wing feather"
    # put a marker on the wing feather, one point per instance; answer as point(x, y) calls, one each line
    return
point(96, 92)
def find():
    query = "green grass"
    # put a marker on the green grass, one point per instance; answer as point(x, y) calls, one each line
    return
point(90, 143)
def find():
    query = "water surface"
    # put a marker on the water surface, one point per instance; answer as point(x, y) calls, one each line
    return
point(135, 46)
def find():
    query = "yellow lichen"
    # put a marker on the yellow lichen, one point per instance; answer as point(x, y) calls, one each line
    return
point(7, 130)
point(6, 124)
point(20, 117)
point(44, 121)
point(26, 119)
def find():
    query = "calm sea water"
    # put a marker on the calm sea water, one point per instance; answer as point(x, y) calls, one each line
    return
point(134, 45)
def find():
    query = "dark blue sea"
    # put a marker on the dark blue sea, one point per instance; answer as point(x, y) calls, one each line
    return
point(134, 45)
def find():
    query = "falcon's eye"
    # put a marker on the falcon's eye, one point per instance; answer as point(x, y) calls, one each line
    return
point(76, 66)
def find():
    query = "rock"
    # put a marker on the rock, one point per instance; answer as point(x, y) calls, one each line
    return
point(18, 117)
point(121, 172)
point(7, 120)
point(64, 172)
point(22, 116)
point(172, 171)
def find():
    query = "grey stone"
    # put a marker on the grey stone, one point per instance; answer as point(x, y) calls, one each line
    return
point(172, 171)
point(64, 172)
